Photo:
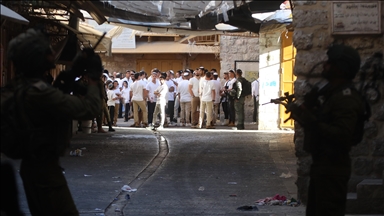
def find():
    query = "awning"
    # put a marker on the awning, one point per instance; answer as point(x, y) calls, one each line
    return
point(89, 36)
point(167, 47)
point(9, 14)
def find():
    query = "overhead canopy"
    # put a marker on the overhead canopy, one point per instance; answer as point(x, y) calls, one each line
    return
point(9, 14)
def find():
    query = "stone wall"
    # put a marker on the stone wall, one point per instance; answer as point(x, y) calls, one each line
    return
point(238, 48)
point(312, 36)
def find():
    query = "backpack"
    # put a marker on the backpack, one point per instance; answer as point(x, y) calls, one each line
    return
point(15, 124)
point(247, 87)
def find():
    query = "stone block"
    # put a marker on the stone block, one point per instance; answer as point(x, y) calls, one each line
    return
point(309, 18)
point(361, 149)
point(378, 168)
point(370, 129)
point(304, 165)
point(370, 189)
point(360, 42)
point(305, 61)
point(302, 41)
point(362, 166)
point(379, 115)
point(378, 147)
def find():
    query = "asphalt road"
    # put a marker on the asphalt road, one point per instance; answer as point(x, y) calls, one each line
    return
point(180, 171)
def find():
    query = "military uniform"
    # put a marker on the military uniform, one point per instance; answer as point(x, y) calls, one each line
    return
point(239, 103)
point(51, 112)
point(329, 139)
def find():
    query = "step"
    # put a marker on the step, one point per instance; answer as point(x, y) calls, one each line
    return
point(370, 189)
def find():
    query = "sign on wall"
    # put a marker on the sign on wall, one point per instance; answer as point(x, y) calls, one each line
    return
point(250, 69)
point(356, 17)
point(126, 40)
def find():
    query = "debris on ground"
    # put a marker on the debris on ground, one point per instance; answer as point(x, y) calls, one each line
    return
point(288, 175)
point(127, 188)
point(248, 208)
point(278, 200)
point(77, 152)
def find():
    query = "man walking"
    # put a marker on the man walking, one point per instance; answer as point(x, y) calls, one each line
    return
point(194, 84)
point(138, 93)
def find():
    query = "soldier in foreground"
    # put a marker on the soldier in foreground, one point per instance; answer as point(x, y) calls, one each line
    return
point(49, 112)
point(332, 124)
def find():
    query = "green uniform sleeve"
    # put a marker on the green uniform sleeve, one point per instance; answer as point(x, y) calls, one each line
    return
point(58, 103)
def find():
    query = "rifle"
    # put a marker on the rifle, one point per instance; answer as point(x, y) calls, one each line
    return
point(284, 100)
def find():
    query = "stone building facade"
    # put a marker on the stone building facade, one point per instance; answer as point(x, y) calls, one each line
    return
point(312, 36)
point(239, 48)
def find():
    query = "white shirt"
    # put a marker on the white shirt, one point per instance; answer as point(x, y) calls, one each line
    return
point(217, 90)
point(255, 89)
point(110, 95)
point(162, 98)
point(171, 95)
point(184, 91)
point(194, 82)
point(207, 87)
point(125, 94)
point(151, 87)
point(137, 91)
point(117, 92)
point(231, 82)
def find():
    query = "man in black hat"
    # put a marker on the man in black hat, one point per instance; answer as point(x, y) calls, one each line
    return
point(331, 121)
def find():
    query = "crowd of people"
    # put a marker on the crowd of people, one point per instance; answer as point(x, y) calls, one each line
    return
point(159, 99)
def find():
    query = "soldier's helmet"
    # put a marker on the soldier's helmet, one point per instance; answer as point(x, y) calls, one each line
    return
point(346, 58)
point(30, 52)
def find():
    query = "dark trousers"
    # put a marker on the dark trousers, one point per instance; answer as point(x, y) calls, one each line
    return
point(9, 191)
point(232, 111)
point(225, 109)
point(151, 109)
point(120, 115)
point(328, 186)
point(46, 188)
point(111, 113)
point(171, 110)
point(255, 109)
point(126, 111)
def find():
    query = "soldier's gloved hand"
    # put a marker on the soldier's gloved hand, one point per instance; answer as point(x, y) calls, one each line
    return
point(301, 114)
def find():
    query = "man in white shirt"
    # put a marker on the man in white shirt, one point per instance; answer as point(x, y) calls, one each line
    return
point(161, 95)
point(231, 99)
point(152, 98)
point(224, 98)
point(207, 98)
point(255, 96)
point(216, 104)
point(194, 84)
point(171, 96)
point(185, 100)
point(138, 93)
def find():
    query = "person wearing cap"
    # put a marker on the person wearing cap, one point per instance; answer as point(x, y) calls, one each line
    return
point(231, 99)
point(207, 97)
point(112, 97)
point(138, 94)
point(194, 84)
point(331, 119)
point(161, 94)
point(224, 98)
point(239, 99)
point(216, 104)
point(185, 100)
point(152, 85)
point(171, 97)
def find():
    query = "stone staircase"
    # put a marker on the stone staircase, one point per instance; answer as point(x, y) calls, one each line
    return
point(368, 199)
